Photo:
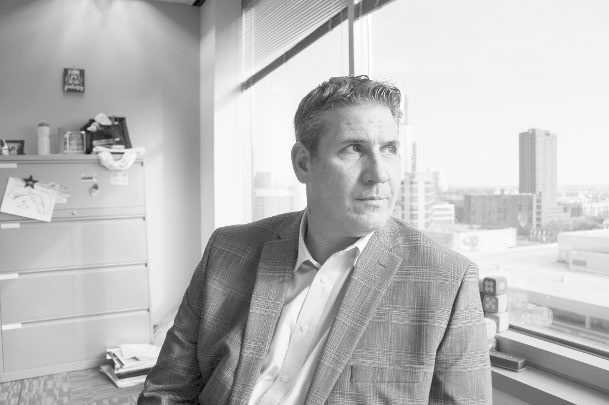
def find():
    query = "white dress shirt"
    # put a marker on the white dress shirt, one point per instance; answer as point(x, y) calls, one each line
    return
point(310, 306)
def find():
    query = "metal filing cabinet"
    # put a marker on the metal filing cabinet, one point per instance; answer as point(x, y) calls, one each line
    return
point(73, 287)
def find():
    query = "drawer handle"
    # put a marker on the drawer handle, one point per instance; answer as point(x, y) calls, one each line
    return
point(9, 276)
point(73, 213)
point(11, 326)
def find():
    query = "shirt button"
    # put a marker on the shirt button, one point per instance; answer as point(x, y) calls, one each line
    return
point(304, 327)
point(323, 279)
point(285, 378)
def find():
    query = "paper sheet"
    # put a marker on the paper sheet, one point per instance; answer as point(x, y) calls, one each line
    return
point(28, 198)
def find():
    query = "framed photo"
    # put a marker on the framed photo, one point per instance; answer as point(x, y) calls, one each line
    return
point(74, 80)
point(15, 147)
point(72, 142)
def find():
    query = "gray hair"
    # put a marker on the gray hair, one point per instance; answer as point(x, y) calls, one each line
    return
point(336, 93)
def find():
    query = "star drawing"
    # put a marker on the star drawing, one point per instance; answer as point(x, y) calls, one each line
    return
point(30, 182)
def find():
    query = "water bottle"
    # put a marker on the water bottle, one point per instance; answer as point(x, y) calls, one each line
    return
point(44, 140)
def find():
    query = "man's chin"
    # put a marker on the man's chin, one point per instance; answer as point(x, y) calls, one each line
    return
point(364, 224)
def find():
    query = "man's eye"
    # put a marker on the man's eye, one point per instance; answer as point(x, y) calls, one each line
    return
point(390, 149)
point(354, 148)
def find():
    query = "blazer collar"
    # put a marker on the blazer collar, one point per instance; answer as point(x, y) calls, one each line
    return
point(290, 227)
point(370, 279)
point(275, 270)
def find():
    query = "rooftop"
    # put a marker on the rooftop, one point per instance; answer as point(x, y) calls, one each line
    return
point(536, 269)
point(593, 233)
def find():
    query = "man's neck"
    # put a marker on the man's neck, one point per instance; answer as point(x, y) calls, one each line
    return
point(321, 245)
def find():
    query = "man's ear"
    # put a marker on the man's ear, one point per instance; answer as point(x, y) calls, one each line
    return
point(301, 159)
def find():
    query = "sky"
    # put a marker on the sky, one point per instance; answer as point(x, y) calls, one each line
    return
point(476, 73)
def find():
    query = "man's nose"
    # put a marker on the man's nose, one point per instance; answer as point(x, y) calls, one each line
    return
point(376, 170)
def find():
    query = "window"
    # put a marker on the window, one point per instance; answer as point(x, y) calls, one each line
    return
point(275, 99)
point(486, 85)
point(576, 262)
point(504, 92)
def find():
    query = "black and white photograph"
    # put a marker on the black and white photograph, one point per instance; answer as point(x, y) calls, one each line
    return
point(290, 202)
point(15, 147)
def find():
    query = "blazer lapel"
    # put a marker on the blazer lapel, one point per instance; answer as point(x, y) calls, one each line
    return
point(275, 270)
point(370, 279)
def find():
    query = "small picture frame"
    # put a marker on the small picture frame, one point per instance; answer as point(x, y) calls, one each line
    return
point(15, 147)
point(73, 80)
point(72, 142)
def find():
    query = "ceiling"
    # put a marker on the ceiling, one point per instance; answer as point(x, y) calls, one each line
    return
point(187, 2)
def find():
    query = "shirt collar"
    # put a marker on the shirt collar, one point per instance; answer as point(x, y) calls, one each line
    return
point(303, 252)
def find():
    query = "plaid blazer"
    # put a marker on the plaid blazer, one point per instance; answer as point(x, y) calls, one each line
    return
point(409, 330)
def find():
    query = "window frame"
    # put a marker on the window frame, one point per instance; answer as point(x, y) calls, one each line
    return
point(551, 365)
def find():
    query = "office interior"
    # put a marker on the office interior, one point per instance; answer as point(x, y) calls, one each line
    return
point(175, 72)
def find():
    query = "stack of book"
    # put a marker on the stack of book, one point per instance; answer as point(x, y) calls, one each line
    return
point(131, 363)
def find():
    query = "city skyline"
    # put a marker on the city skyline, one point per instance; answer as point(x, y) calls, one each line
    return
point(476, 75)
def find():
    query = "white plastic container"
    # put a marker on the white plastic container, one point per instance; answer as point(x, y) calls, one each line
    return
point(44, 138)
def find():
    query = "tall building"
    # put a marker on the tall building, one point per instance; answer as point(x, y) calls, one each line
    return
point(417, 196)
point(538, 161)
point(408, 142)
point(272, 199)
point(538, 173)
point(440, 181)
point(418, 189)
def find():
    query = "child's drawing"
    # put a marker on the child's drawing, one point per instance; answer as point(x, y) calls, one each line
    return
point(28, 198)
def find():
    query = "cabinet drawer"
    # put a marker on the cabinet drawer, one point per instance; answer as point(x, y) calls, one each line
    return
point(51, 343)
point(109, 197)
point(69, 244)
point(52, 295)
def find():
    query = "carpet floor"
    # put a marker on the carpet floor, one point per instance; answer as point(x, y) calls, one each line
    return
point(89, 387)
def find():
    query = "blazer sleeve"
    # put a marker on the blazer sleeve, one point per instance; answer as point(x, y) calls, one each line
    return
point(176, 377)
point(462, 373)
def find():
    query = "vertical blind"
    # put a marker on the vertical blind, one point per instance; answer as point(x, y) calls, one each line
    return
point(276, 30)
point(271, 27)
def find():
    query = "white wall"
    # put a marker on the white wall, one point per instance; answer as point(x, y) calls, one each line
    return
point(141, 60)
point(226, 153)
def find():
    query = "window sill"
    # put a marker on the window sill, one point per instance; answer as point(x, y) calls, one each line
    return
point(538, 387)
point(555, 375)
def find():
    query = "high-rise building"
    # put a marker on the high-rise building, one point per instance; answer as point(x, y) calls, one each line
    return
point(408, 142)
point(418, 189)
point(273, 199)
point(538, 173)
point(538, 161)
point(417, 196)
point(440, 181)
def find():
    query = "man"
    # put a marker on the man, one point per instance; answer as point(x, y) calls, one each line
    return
point(339, 304)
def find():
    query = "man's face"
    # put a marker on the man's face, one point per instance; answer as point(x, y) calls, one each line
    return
point(353, 182)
